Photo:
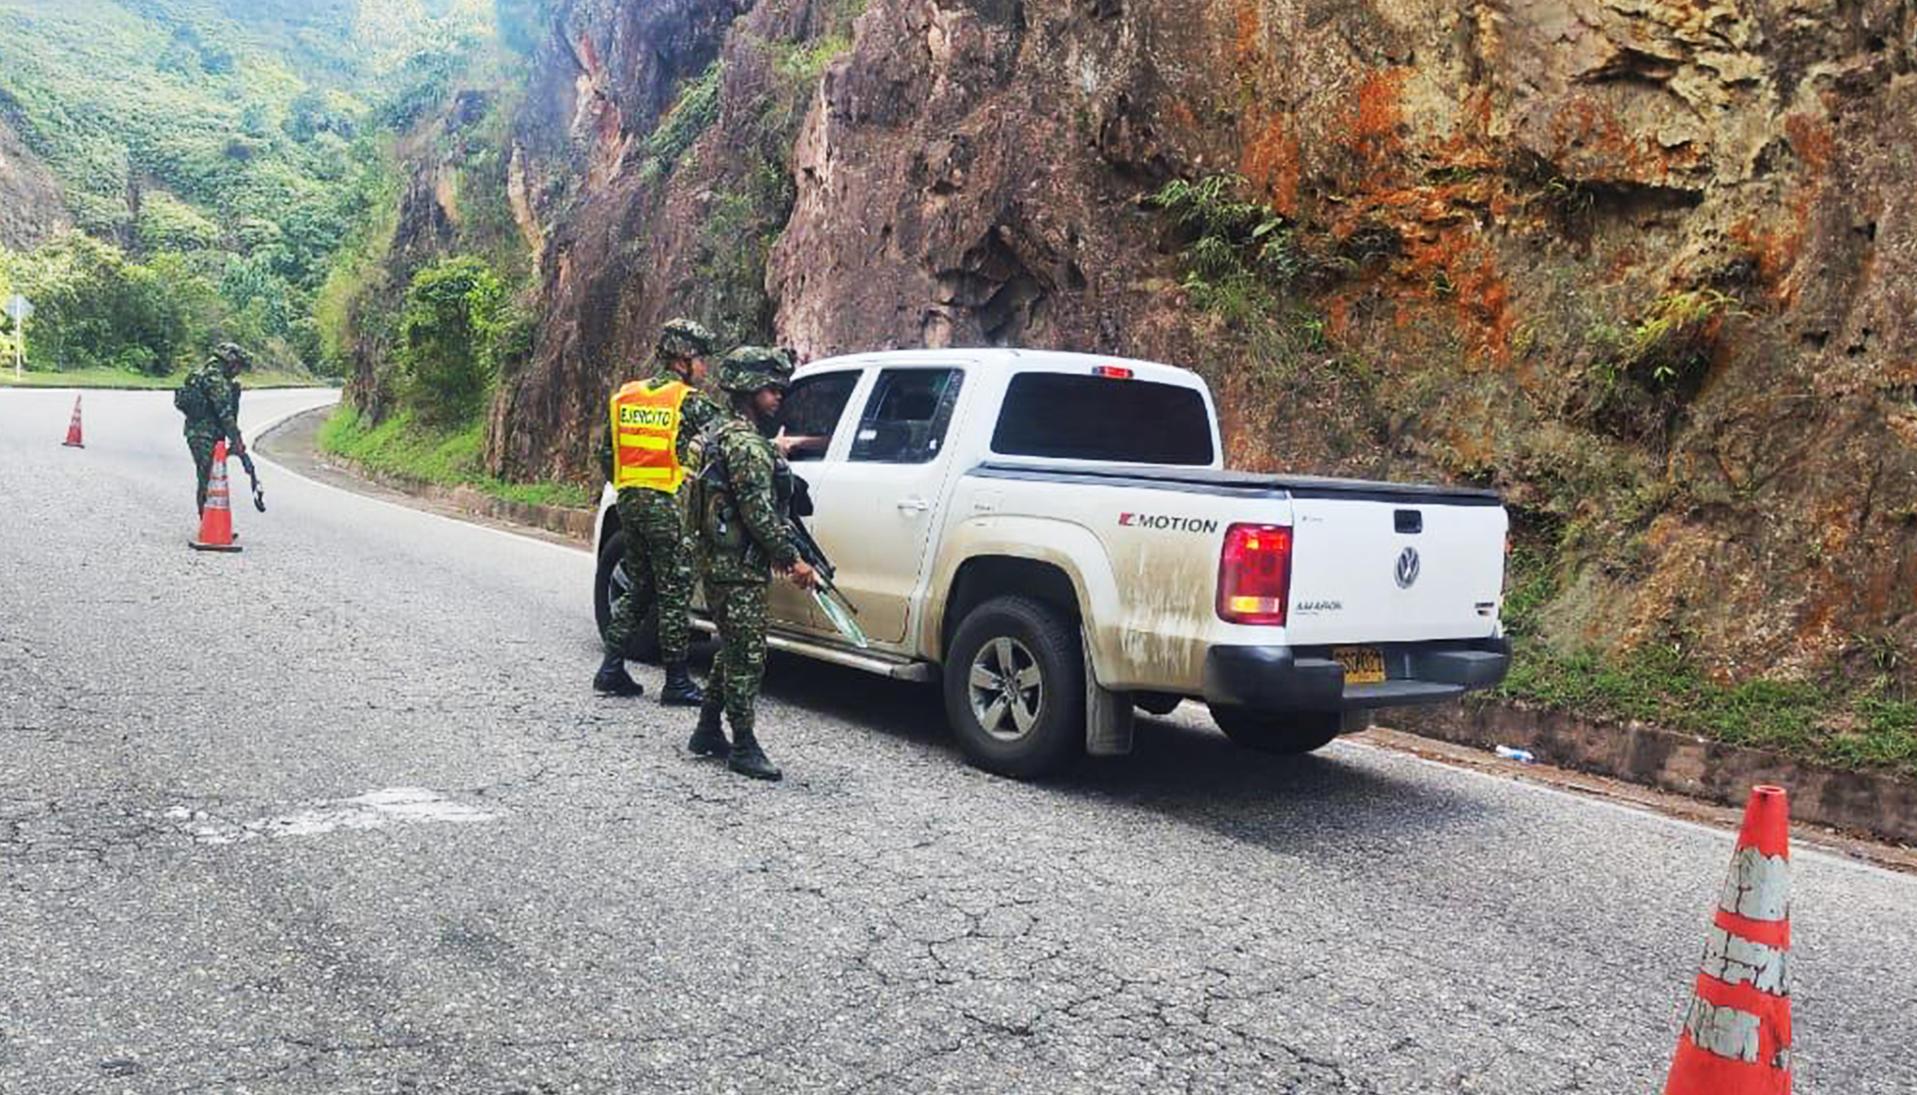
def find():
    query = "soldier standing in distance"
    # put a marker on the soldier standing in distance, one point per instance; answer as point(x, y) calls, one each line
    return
point(743, 491)
point(644, 456)
point(210, 399)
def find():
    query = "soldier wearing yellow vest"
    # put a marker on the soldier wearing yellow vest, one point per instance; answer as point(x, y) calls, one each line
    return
point(650, 423)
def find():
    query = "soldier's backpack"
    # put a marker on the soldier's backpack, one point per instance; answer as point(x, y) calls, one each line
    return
point(190, 398)
point(708, 490)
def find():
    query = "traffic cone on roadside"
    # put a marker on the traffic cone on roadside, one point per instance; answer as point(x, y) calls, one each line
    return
point(216, 520)
point(73, 440)
point(1737, 1031)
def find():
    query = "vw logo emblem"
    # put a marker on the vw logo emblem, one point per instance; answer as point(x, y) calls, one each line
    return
point(1407, 571)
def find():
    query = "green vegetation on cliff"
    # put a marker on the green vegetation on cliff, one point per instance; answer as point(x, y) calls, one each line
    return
point(1241, 261)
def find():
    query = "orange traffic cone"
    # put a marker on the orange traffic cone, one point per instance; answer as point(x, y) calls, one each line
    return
point(1737, 1031)
point(73, 440)
point(216, 520)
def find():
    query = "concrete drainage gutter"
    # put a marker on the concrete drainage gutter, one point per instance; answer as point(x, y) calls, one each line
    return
point(1858, 802)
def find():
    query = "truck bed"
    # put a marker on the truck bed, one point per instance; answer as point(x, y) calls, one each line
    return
point(1242, 484)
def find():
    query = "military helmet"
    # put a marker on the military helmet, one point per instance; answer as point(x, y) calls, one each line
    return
point(684, 338)
point(229, 353)
point(752, 368)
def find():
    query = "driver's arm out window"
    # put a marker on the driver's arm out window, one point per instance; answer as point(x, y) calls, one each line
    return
point(812, 409)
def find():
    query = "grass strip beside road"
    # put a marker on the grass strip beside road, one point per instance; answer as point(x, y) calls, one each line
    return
point(407, 449)
point(121, 379)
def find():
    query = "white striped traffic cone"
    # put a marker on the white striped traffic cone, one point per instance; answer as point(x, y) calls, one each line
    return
point(1737, 1032)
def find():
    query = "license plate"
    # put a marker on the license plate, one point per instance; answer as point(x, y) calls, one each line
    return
point(1363, 664)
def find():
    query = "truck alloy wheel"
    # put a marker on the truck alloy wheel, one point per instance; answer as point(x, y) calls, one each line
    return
point(1015, 689)
point(1007, 688)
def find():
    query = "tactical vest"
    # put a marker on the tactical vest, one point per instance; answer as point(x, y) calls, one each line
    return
point(711, 504)
point(645, 435)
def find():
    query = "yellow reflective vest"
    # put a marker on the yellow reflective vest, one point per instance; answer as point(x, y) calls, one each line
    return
point(645, 435)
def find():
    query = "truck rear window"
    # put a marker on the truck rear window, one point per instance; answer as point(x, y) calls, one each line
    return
point(1070, 417)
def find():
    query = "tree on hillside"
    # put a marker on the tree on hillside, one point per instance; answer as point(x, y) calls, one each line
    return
point(449, 333)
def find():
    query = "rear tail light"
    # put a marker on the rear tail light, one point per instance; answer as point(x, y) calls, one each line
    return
point(1254, 575)
point(1112, 372)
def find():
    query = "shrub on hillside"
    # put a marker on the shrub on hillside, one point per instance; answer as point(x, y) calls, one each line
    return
point(450, 334)
point(168, 224)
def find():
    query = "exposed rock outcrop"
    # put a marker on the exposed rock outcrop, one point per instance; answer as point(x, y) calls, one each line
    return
point(1649, 266)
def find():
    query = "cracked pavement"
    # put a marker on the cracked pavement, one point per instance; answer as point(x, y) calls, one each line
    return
point(621, 917)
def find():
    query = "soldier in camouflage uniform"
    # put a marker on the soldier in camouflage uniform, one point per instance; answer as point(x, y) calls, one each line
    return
point(659, 545)
point(739, 504)
point(210, 399)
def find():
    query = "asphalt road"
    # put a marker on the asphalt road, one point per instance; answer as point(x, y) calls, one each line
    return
point(340, 814)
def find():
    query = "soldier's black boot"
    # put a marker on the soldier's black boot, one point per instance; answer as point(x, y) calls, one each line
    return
point(680, 690)
point(612, 678)
point(749, 760)
point(708, 738)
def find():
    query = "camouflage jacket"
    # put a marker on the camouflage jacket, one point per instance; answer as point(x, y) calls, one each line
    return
point(211, 403)
point(696, 414)
point(741, 496)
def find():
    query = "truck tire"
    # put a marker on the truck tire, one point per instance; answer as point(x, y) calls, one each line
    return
point(608, 583)
point(1287, 733)
point(1036, 726)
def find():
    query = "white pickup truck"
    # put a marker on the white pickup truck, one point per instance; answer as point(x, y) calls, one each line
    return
point(1053, 537)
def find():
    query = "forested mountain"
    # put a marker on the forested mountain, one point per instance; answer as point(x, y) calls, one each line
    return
point(213, 156)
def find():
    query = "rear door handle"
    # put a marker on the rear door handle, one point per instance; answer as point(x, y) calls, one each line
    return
point(913, 505)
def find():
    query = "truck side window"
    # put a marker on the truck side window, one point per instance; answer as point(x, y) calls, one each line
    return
point(906, 418)
point(812, 409)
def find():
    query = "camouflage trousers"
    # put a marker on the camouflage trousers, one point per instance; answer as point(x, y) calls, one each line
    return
point(659, 566)
point(201, 446)
point(739, 667)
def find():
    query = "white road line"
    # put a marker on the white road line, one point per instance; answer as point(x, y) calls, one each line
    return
point(372, 810)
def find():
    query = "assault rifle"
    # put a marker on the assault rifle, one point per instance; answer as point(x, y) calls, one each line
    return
point(259, 494)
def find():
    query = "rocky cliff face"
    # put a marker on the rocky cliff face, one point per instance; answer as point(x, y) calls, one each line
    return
point(1649, 266)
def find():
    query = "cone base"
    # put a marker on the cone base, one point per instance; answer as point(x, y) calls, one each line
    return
point(197, 546)
point(72, 445)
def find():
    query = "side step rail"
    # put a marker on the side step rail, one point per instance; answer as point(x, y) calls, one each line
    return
point(899, 669)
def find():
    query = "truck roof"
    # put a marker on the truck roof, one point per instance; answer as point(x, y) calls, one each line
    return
point(1011, 360)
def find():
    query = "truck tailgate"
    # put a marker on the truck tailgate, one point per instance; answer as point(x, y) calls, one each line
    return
point(1372, 566)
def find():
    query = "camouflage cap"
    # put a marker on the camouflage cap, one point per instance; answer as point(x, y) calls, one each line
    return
point(751, 368)
point(686, 338)
point(229, 353)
